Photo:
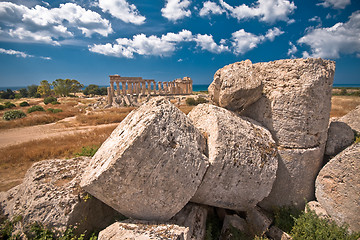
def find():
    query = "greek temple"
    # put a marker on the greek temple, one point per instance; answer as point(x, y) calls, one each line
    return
point(139, 86)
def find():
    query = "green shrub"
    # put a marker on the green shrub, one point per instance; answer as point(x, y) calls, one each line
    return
point(310, 226)
point(213, 227)
point(52, 110)
point(55, 102)
point(88, 151)
point(7, 227)
point(193, 102)
point(36, 108)
point(2, 107)
point(24, 104)
point(48, 100)
point(13, 114)
point(284, 217)
point(9, 105)
point(190, 102)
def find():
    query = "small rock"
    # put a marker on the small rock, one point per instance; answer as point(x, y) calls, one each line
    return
point(338, 187)
point(258, 221)
point(317, 208)
point(151, 165)
point(232, 221)
point(235, 87)
point(278, 234)
point(340, 136)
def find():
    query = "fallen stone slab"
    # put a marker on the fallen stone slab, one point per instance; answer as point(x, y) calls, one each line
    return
point(242, 156)
point(296, 100)
point(340, 136)
point(258, 221)
point(232, 221)
point(235, 87)
point(143, 230)
point(193, 217)
point(50, 194)
point(278, 234)
point(338, 187)
point(151, 165)
point(295, 178)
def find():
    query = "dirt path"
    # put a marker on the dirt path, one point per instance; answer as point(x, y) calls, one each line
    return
point(10, 137)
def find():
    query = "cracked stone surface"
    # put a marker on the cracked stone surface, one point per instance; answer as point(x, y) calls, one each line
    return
point(151, 165)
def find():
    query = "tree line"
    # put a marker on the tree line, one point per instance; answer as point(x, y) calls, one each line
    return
point(59, 88)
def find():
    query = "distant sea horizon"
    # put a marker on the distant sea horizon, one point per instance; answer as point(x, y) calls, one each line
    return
point(196, 87)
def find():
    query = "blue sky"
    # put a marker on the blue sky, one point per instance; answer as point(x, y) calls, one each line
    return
point(164, 40)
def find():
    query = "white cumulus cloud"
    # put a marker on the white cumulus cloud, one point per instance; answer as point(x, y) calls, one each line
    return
point(210, 8)
point(122, 10)
point(292, 50)
point(206, 42)
point(337, 4)
point(176, 9)
point(19, 53)
point(342, 38)
point(268, 11)
point(46, 25)
point(163, 46)
point(243, 41)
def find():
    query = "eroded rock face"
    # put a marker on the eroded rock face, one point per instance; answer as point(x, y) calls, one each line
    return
point(352, 119)
point(142, 230)
point(151, 165)
point(50, 194)
point(295, 178)
point(340, 136)
point(242, 155)
point(338, 187)
point(235, 87)
point(296, 100)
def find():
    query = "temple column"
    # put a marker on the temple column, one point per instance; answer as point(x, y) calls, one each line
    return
point(186, 88)
point(117, 88)
point(166, 88)
point(130, 87)
point(159, 87)
point(123, 86)
point(154, 86)
point(143, 85)
point(112, 89)
point(148, 87)
point(109, 96)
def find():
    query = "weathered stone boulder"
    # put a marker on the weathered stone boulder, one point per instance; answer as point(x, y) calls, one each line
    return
point(151, 165)
point(235, 87)
point(340, 136)
point(258, 220)
point(296, 100)
point(142, 230)
point(295, 178)
point(352, 119)
point(242, 156)
point(338, 187)
point(50, 194)
point(232, 221)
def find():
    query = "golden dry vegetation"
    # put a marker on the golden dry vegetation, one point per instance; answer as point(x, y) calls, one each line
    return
point(341, 105)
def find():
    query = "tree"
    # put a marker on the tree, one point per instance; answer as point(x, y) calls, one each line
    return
point(92, 89)
point(63, 87)
point(44, 89)
point(32, 90)
point(8, 94)
point(24, 92)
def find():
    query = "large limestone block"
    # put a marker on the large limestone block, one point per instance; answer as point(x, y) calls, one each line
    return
point(151, 165)
point(338, 187)
point(340, 136)
point(296, 100)
point(295, 178)
point(50, 194)
point(242, 155)
point(142, 230)
point(235, 87)
point(352, 119)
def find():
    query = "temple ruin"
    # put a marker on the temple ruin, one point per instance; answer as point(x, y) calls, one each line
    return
point(139, 86)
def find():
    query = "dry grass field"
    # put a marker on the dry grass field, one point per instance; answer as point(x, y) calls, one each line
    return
point(16, 159)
